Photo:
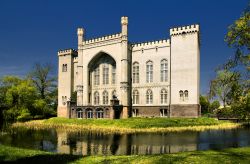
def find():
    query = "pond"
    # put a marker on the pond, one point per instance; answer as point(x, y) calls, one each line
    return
point(86, 143)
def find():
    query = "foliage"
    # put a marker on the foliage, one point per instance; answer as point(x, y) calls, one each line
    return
point(238, 37)
point(224, 86)
point(43, 81)
point(21, 100)
point(204, 102)
point(21, 155)
point(214, 105)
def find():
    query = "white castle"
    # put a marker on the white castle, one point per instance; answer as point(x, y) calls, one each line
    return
point(114, 78)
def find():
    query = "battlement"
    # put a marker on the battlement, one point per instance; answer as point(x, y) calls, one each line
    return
point(69, 51)
point(184, 29)
point(104, 38)
point(151, 44)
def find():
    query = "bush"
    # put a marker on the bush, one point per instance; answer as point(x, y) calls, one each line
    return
point(226, 112)
point(24, 117)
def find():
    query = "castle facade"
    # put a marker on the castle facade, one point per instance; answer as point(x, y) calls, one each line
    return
point(114, 78)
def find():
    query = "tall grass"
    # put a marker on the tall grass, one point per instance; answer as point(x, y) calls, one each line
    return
point(131, 125)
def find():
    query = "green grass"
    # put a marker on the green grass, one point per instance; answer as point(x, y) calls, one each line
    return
point(233, 155)
point(130, 125)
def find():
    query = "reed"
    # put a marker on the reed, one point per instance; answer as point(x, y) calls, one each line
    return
point(139, 125)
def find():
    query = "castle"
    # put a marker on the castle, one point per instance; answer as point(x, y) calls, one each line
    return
point(114, 78)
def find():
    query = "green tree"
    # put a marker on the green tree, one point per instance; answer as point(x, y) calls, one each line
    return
point(222, 86)
point(43, 79)
point(204, 104)
point(214, 105)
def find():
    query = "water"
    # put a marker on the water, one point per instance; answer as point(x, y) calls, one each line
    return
point(81, 143)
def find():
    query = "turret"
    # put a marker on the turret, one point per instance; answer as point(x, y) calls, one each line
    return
point(80, 34)
point(124, 24)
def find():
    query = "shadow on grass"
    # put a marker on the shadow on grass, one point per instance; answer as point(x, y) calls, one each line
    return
point(44, 158)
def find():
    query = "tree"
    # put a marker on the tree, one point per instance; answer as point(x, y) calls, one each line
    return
point(238, 37)
point(43, 80)
point(222, 86)
point(214, 105)
point(204, 104)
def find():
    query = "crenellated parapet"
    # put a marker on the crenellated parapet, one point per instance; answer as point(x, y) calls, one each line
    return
point(69, 51)
point(184, 30)
point(102, 39)
point(151, 45)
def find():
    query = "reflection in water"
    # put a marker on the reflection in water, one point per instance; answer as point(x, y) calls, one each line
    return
point(81, 143)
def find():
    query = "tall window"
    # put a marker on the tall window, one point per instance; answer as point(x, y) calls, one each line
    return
point(64, 68)
point(135, 97)
point(114, 94)
point(186, 95)
point(105, 98)
point(96, 98)
point(149, 71)
point(164, 95)
point(149, 97)
point(105, 73)
point(164, 70)
point(136, 72)
point(97, 76)
point(99, 113)
point(181, 95)
point(113, 74)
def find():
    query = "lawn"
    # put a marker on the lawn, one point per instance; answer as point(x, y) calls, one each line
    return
point(19, 155)
point(130, 125)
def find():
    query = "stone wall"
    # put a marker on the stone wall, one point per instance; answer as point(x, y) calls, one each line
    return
point(185, 110)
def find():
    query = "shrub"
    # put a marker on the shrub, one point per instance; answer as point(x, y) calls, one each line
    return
point(24, 117)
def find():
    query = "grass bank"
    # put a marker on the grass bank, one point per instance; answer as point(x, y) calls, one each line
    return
point(233, 155)
point(131, 125)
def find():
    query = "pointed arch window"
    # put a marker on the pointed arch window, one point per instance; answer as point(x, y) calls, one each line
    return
point(105, 97)
point(97, 76)
point(96, 98)
point(164, 70)
point(105, 75)
point(136, 72)
point(149, 97)
point(149, 72)
point(135, 97)
point(113, 74)
point(164, 96)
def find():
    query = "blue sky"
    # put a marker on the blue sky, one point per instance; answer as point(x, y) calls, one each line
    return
point(34, 30)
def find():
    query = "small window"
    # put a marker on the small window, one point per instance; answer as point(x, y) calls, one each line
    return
point(64, 68)
point(99, 113)
point(135, 112)
point(105, 98)
point(186, 95)
point(181, 95)
point(164, 70)
point(164, 95)
point(163, 112)
point(136, 71)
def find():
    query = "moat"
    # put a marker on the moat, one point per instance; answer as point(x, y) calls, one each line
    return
point(86, 143)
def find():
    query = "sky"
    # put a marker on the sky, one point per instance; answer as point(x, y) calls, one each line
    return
point(33, 31)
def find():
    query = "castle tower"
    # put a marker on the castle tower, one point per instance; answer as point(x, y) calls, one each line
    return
point(65, 80)
point(79, 87)
point(125, 74)
point(185, 68)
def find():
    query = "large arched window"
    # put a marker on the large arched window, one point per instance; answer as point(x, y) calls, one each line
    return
point(164, 96)
point(135, 97)
point(105, 97)
point(135, 72)
point(149, 97)
point(113, 74)
point(164, 70)
point(99, 113)
point(186, 95)
point(149, 71)
point(181, 95)
point(96, 98)
point(105, 74)
point(97, 76)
